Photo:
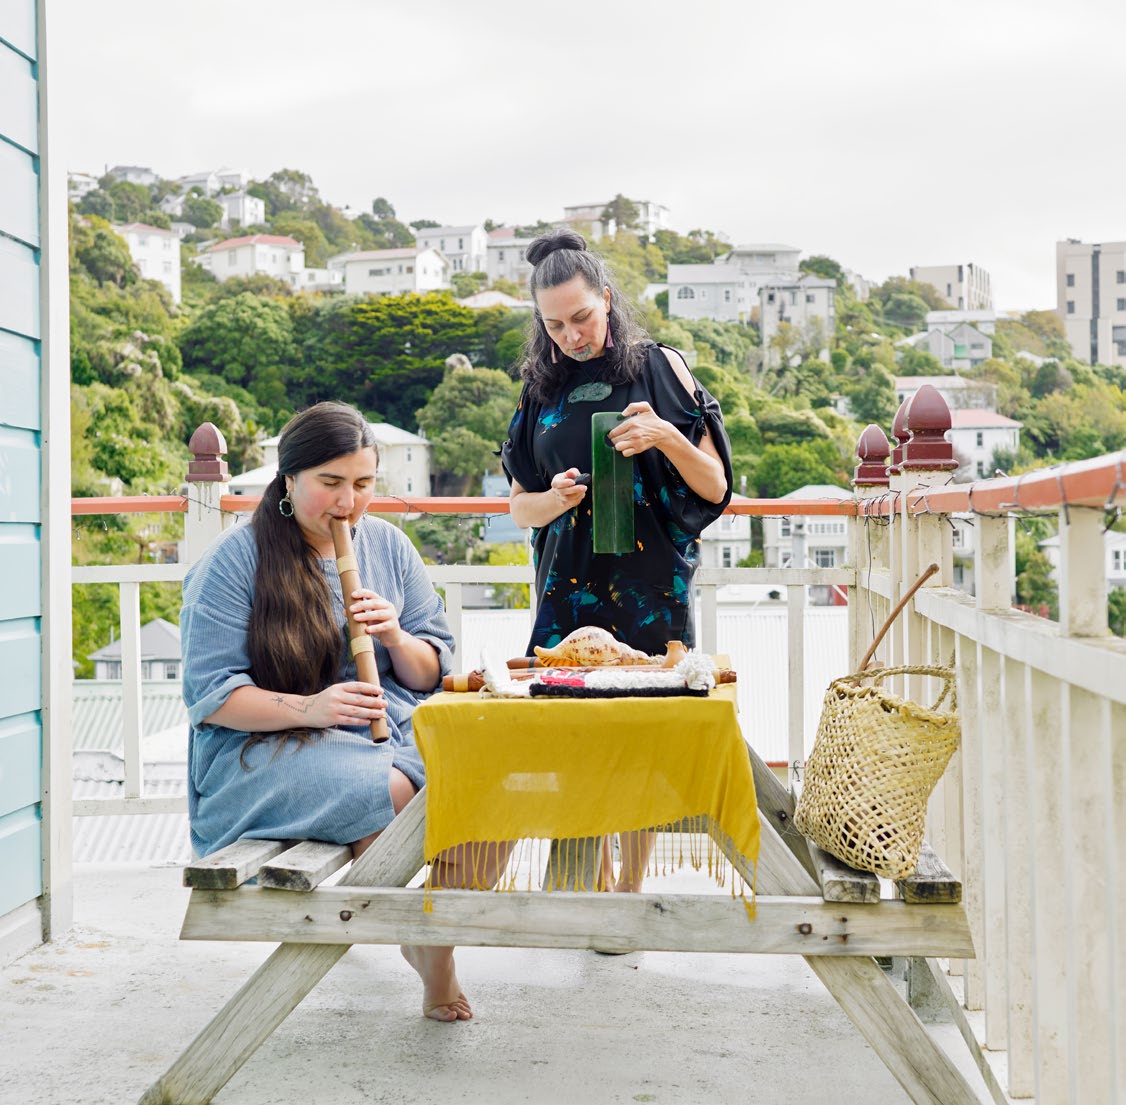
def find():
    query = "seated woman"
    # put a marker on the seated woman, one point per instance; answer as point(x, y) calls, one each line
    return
point(280, 746)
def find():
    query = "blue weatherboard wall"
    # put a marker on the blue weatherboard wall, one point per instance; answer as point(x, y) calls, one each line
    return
point(21, 583)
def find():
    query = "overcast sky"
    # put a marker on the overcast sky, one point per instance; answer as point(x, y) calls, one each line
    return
point(885, 133)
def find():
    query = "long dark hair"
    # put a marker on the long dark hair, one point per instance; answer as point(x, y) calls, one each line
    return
point(293, 640)
point(556, 257)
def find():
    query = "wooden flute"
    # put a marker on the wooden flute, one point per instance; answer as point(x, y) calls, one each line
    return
point(361, 644)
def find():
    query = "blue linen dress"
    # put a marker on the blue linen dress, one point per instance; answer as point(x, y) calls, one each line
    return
point(336, 786)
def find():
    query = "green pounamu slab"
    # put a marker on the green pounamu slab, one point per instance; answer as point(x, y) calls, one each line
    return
point(611, 488)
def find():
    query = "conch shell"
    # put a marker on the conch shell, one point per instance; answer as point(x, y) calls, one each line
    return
point(590, 646)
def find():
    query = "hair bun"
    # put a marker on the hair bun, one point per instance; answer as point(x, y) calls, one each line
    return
point(547, 244)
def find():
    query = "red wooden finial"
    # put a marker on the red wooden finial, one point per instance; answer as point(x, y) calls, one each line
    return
point(207, 447)
point(872, 449)
point(928, 419)
point(901, 434)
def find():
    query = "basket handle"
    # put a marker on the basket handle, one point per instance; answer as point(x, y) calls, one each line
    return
point(947, 675)
point(930, 570)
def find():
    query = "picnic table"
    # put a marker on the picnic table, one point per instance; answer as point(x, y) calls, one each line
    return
point(804, 903)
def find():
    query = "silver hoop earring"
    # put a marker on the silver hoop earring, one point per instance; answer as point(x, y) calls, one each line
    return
point(283, 503)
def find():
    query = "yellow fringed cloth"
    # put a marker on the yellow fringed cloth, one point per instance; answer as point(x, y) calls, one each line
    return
point(558, 768)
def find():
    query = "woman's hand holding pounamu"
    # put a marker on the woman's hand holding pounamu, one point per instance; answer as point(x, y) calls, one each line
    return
point(566, 490)
point(641, 430)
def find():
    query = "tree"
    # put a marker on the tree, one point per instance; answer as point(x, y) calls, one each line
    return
point(873, 397)
point(1034, 584)
point(905, 310)
point(820, 265)
point(307, 232)
point(102, 254)
point(423, 224)
point(201, 211)
point(247, 341)
point(385, 354)
point(785, 468)
point(468, 283)
point(624, 212)
point(382, 209)
point(1116, 610)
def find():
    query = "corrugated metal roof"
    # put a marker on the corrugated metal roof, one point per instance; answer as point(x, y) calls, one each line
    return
point(132, 838)
point(96, 712)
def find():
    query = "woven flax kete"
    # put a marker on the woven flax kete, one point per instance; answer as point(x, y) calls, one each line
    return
point(507, 770)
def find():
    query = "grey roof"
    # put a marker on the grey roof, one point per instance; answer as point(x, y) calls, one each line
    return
point(160, 640)
point(132, 838)
point(97, 713)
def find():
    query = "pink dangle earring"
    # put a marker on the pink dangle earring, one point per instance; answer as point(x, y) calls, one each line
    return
point(609, 333)
point(554, 358)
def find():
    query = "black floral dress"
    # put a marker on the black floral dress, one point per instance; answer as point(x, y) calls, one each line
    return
point(642, 597)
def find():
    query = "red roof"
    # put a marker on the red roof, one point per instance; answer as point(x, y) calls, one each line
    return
point(256, 239)
point(970, 418)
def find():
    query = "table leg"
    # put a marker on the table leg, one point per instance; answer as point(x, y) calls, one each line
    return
point(283, 981)
point(574, 864)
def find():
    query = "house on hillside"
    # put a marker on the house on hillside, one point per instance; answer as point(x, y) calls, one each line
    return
point(240, 209)
point(726, 541)
point(808, 541)
point(956, 339)
point(155, 252)
point(134, 174)
point(505, 257)
point(160, 653)
point(727, 290)
point(404, 464)
point(804, 303)
point(966, 287)
point(958, 391)
point(266, 254)
point(392, 271)
point(464, 247)
point(1114, 547)
point(976, 435)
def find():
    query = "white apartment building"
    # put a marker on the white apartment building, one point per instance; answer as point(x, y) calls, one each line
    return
point(404, 464)
point(1091, 299)
point(808, 541)
point(728, 289)
point(79, 185)
point(958, 392)
point(966, 287)
point(806, 304)
point(317, 280)
point(651, 217)
point(1114, 545)
point(207, 181)
point(505, 260)
point(726, 541)
point(269, 254)
point(238, 179)
point(240, 209)
point(155, 252)
point(976, 435)
point(392, 271)
point(134, 174)
point(465, 247)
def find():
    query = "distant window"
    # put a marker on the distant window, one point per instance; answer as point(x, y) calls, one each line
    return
point(727, 556)
point(1121, 305)
point(442, 244)
point(703, 293)
point(980, 438)
point(378, 272)
point(410, 485)
point(769, 297)
point(168, 268)
point(171, 671)
point(1071, 280)
point(167, 244)
point(949, 291)
point(1071, 306)
point(959, 538)
point(408, 454)
point(410, 268)
point(1121, 347)
point(981, 469)
point(1118, 560)
point(825, 558)
point(726, 295)
point(786, 528)
point(685, 293)
point(500, 254)
point(461, 243)
point(1121, 275)
point(232, 258)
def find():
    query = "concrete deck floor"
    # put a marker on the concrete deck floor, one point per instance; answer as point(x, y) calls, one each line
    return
point(96, 1016)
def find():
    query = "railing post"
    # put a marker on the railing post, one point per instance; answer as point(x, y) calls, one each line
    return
point(897, 530)
point(867, 539)
point(208, 476)
point(1082, 574)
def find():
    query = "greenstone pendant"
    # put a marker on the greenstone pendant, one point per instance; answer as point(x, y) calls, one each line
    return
point(590, 392)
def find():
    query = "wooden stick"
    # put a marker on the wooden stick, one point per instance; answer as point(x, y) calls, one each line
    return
point(895, 614)
point(363, 648)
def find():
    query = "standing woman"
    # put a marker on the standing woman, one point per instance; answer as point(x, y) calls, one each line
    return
point(280, 746)
point(586, 354)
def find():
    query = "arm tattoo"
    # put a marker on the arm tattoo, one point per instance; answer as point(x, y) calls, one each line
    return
point(302, 708)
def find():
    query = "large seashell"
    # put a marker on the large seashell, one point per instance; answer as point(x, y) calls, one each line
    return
point(590, 646)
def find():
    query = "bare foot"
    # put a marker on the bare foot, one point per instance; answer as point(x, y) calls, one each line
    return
point(442, 998)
